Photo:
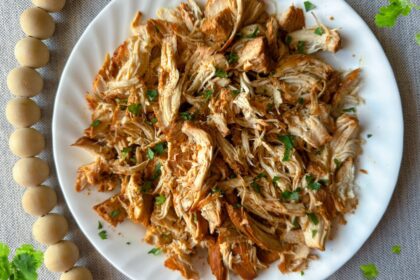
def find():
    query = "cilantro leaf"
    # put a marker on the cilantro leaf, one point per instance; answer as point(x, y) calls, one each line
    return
point(26, 262)
point(388, 15)
point(256, 187)
point(418, 39)
point(232, 57)
point(160, 199)
point(146, 186)
point(221, 73)
point(4, 261)
point(313, 218)
point(157, 172)
point(288, 39)
point(152, 94)
point(396, 249)
point(369, 271)
point(287, 195)
point(155, 251)
point(253, 34)
point(150, 154)
point(235, 92)
point(350, 110)
point(314, 232)
point(103, 234)
point(312, 185)
point(95, 123)
point(275, 180)
point(301, 47)
point(287, 141)
point(337, 163)
point(125, 151)
point(160, 148)
point(309, 6)
point(207, 94)
point(319, 31)
point(186, 116)
point(100, 226)
point(134, 108)
point(115, 213)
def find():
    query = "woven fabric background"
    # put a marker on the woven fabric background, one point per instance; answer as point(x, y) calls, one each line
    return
point(400, 225)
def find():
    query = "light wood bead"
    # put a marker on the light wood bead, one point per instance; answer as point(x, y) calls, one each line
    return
point(22, 112)
point(26, 142)
point(30, 172)
point(50, 229)
point(77, 273)
point(38, 201)
point(24, 82)
point(50, 5)
point(61, 257)
point(37, 23)
point(32, 53)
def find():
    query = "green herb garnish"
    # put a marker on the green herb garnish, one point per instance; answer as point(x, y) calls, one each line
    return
point(287, 195)
point(115, 213)
point(319, 31)
point(146, 186)
point(155, 251)
point(216, 190)
point(309, 6)
point(103, 234)
point(186, 116)
point(207, 94)
point(295, 223)
point(128, 243)
point(337, 163)
point(235, 92)
point(313, 218)
point(369, 271)
point(288, 39)
point(261, 175)
point(253, 34)
point(287, 141)
point(160, 148)
point(301, 101)
point(157, 172)
point(134, 108)
point(396, 249)
point(232, 57)
point(100, 226)
point(122, 103)
point(312, 185)
point(160, 199)
point(125, 151)
point(256, 187)
point(150, 154)
point(152, 94)
point(348, 110)
point(275, 180)
point(301, 47)
point(369, 135)
point(221, 73)
point(95, 123)
point(302, 273)
point(314, 232)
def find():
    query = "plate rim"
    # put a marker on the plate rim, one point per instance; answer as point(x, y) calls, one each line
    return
point(399, 149)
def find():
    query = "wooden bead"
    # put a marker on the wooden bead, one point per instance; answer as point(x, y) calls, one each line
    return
point(26, 142)
point(50, 229)
point(37, 23)
point(61, 257)
point(32, 53)
point(25, 82)
point(77, 273)
point(30, 172)
point(38, 201)
point(22, 112)
point(50, 5)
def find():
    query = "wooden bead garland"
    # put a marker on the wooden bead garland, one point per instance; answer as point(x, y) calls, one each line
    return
point(29, 171)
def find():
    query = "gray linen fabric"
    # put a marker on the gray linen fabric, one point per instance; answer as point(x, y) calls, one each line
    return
point(400, 225)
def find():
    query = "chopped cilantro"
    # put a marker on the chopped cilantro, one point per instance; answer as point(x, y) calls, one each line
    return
point(221, 73)
point(418, 39)
point(319, 31)
point(288, 39)
point(295, 223)
point(253, 34)
point(256, 187)
point(301, 47)
point(160, 148)
point(125, 151)
point(287, 195)
point(122, 103)
point(302, 273)
point(348, 110)
point(128, 243)
point(95, 123)
point(100, 226)
point(216, 190)
point(301, 100)
point(160, 199)
point(275, 180)
point(369, 271)
point(186, 116)
point(207, 94)
point(287, 141)
point(396, 249)
point(157, 172)
point(312, 185)
point(261, 175)
point(155, 251)
point(103, 234)
point(134, 108)
point(146, 186)
point(309, 6)
point(150, 154)
point(232, 57)
point(314, 232)
point(369, 135)
point(152, 94)
point(313, 218)
point(115, 213)
point(235, 92)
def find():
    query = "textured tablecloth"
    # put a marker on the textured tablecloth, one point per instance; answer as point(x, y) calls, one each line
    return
point(400, 225)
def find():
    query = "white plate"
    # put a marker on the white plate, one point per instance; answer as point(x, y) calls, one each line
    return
point(381, 116)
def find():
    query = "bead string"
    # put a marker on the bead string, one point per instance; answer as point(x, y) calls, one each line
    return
point(25, 142)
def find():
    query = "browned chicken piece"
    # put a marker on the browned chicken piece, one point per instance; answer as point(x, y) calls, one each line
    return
point(254, 56)
point(292, 19)
point(183, 265)
point(96, 174)
point(276, 47)
point(111, 210)
point(215, 260)
point(219, 27)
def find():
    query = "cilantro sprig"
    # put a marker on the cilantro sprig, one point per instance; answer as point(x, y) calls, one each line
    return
point(369, 271)
point(287, 141)
point(387, 16)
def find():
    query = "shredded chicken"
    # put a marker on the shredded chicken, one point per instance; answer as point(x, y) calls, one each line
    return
point(214, 127)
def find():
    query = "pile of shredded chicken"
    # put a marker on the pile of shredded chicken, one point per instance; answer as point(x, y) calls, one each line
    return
point(219, 128)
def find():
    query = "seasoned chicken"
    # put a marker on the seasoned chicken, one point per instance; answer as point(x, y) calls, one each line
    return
point(213, 127)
